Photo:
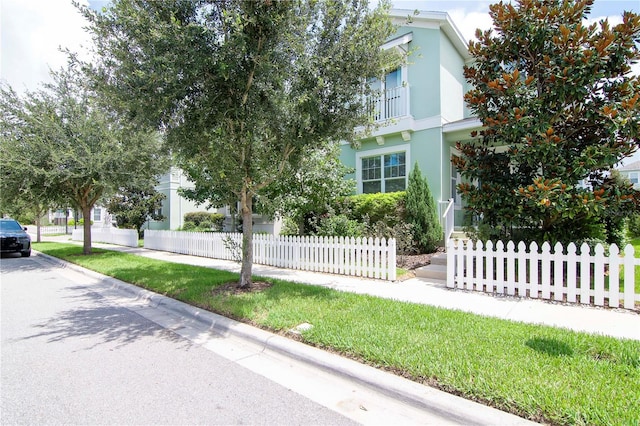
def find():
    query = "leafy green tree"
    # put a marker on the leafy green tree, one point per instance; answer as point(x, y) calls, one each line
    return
point(559, 109)
point(22, 190)
point(421, 212)
point(312, 186)
point(242, 88)
point(72, 148)
point(134, 205)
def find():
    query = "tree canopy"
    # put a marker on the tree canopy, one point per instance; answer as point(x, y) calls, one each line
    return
point(61, 145)
point(559, 109)
point(241, 88)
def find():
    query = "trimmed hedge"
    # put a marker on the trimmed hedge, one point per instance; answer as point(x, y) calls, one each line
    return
point(207, 220)
point(385, 207)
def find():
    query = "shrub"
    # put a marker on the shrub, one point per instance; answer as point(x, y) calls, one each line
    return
point(205, 221)
point(385, 207)
point(289, 227)
point(340, 225)
point(402, 232)
point(422, 214)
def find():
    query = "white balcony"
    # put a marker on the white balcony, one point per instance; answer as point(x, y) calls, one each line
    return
point(393, 103)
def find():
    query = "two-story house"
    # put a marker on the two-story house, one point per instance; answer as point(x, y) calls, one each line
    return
point(421, 111)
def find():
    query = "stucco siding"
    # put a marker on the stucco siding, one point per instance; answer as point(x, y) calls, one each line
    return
point(423, 72)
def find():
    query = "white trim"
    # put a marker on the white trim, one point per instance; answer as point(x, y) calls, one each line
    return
point(406, 124)
point(399, 41)
point(432, 20)
point(406, 148)
point(464, 124)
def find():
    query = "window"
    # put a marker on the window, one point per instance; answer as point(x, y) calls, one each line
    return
point(393, 79)
point(634, 177)
point(97, 214)
point(384, 173)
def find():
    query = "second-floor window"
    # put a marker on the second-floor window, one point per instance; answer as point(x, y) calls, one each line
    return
point(384, 173)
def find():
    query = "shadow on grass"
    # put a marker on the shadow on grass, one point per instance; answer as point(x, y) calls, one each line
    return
point(551, 347)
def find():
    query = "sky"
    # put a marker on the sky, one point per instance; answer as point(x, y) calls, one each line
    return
point(33, 31)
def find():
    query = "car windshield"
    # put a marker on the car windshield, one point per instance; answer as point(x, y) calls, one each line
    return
point(10, 225)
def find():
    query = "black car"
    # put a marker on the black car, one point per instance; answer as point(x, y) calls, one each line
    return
point(14, 238)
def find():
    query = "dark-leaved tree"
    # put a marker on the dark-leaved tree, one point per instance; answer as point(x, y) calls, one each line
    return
point(134, 205)
point(559, 108)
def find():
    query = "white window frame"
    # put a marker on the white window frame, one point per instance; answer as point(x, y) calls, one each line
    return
point(97, 212)
point(634, 175)
point(405, 148)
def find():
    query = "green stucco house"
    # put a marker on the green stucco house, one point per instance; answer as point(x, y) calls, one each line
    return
point(421, 111)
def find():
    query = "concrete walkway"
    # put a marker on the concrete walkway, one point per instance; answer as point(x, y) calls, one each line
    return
point(619, 323)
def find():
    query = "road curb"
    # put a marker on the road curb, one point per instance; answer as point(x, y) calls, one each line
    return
point(447, 406)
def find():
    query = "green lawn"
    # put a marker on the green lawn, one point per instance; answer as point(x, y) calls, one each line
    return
point(542, 373)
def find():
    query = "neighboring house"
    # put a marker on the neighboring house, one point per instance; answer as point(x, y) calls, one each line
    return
point(632, 172)
point(99, 216)
point(174, 207)
point(421, 111)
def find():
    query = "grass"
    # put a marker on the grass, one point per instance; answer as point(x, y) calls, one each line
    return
point(542, 373)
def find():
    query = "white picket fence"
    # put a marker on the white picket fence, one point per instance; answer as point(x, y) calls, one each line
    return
point(100, 234)
point(553, 275)
point(50, 230)
point(363, 257)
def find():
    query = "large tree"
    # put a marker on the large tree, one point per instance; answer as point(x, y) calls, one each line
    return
point(242, 88)
point(72, 148)
point(22, 192)
point(559, 109)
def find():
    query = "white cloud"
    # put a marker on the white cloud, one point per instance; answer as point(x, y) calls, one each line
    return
point(468, 22)
point(32, 33)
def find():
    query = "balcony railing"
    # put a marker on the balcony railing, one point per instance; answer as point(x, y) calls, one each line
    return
point(393, 103)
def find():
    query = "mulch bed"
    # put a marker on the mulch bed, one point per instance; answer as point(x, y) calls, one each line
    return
point(232, 288)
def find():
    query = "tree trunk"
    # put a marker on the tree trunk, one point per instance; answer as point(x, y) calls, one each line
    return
point(86, 215)
point(38, 236)
point(246, 209)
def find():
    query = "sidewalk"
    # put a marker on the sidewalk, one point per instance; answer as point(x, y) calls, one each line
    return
point(617, 323)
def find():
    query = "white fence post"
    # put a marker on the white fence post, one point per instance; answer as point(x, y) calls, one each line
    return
point(534, 268)
point(614, 276)
point(558, 272)
point(585, 274)
point(571, 273)
point(629, 277)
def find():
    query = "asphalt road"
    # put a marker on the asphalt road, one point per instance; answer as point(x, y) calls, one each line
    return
point(76, 351)
point(71, 356)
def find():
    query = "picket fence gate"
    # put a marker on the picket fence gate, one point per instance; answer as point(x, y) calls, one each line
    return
point(553, 275)
point(363, 257)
